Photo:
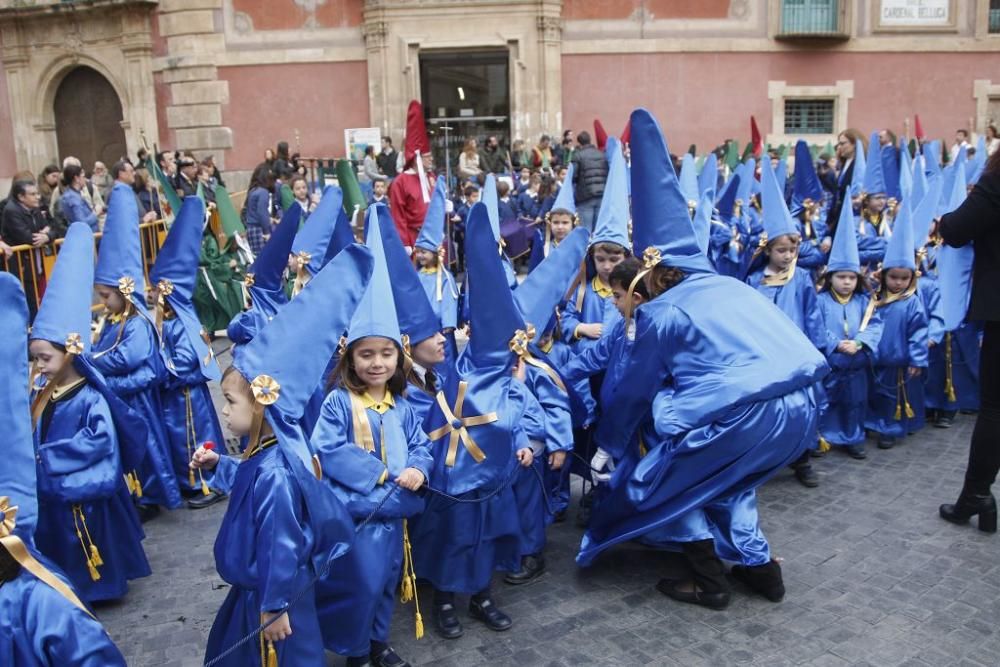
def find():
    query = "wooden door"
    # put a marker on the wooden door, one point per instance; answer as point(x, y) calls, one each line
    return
point(88, 119)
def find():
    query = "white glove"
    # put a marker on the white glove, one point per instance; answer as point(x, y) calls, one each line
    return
point(601, 461)
point(449, 206)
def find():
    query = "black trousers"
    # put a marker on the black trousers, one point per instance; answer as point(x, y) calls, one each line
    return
point(984, 452)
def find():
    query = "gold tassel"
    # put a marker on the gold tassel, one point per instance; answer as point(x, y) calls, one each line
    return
point(949, 384)
point(137, 483)
point(204, 487)
point(272, 655)
point(91, 567)
point(409, 587)
point(419, 626)
point(95, 556)
point(824, 446)
point(406, 591)
point(191, 477)
point(899, 393)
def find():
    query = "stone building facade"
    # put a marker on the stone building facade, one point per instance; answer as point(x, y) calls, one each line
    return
point(232, 77)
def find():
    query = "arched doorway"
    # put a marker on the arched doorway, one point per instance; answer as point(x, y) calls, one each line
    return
point(88, 118)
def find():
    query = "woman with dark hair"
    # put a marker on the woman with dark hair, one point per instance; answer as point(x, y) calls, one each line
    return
point(975, 221)
point(257, 210)
point(22, 223)
point(72, 205)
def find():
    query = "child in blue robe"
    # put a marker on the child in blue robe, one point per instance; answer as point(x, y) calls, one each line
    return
point(376, 456)
point(88, 524)
point(283, 527)
point(953, 374)
point(854, 327)
point(787, 286)
point(590, 309)
point(929, 291)
point(807, 207)
point(126, 349)
point(874, 221)
point(188, 411)
point(559, 221)
point(902, 352)
point(478, 445)
point(43, 621)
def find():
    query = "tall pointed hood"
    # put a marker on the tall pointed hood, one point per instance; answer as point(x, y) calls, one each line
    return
point(805, 182)
point(955, 264)
point(925, 212)
point(781, 175)
point(932, 157)
point(900, 250)
point(493, 315)
point(565, 198)
point(432, 231)
point(844, 252)
point(905, 174)
point(119, 258)
point(747, 181)
point(889, 158)
point(313, 239)
point(662, 232)
point(64, 313)
point(689, 180)
point(860, 167)
point(18, 490)
point(727, 200)
point(543, 289)
point(417, 320)
point(709, 176)
point(974, 167)
point(347, 179)
point(174, 275)
point(954, 178)
point(776, 218)
point(612, 218)
point(874, 182)
point(376, 313)
point(491, 203)
point(416, 132)
point(343, 236)
point(600, 135)
point(703, 221)
point(264, 277)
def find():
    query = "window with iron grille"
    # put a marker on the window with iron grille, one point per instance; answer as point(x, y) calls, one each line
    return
point(808, 117)
point(809, 17)
point(994, 17)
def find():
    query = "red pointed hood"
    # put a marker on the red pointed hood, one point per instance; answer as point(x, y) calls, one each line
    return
point(416, 132)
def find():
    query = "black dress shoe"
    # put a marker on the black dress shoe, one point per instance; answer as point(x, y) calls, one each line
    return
point(363, 661)
point(446, 621)
point(857, 452)
point(202, 501)
point(532, 567)
point(886, 442)
point(945, 420)
point(807, 476)
point(487, 612)
point(968, 506)
point(669, 587)
point(559, 516)
point(388, 658)
point(148, 512)
point(763, 579)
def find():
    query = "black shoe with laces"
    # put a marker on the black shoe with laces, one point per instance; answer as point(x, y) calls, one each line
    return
point(387, 658)
point(446, 621)
point(484, 610)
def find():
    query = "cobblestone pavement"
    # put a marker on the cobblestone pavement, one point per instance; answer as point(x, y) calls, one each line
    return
point(874, 577)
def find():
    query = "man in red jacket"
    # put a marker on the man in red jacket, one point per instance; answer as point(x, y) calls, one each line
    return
point(410, 192)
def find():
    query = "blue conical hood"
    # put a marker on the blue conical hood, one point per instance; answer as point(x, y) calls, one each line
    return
point(844, 252)
point(432, 231)
point(323, 308)
point(746, 173)
point(874, 182)
point(376, 313)
point(491, 201)
point(900, 250)
point(919, 188)
point(492, 314)
point(781, 175)
point(703, 221)
point(906, 174)
point(661, 221)
point(954, 178)
point(313, 240)
point(177, 261)
point(119, 257)
point(343, 236)
point(974, 167)
point(417, 319)
point(612, 218)
point(565, 198)
point(727, 200)
point(689, 180)
point(925, 211)
point(932, 157)
point(270, 264)
point(805, 182)
point(65, 308)
point(889, 157)
point(708, 178)
point(860, 168)
point(17, 474)
point(776, 218)
point(543, 289)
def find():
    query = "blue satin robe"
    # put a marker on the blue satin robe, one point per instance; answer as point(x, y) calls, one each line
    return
point(447, 308)
point(458, 546)
point(930, 296)
point(842, 419)
point(596, 309)
point(264, 550)
point(134, 371)
point(720, 428)
point(41, 628)
point(797, 300)
point(79, 465)
point(185, 385)
point(903, 344)
point(872, 241)
point(357, 597)
point(964, 345)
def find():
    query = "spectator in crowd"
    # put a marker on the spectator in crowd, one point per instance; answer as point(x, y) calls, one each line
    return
point(216, 174)
point(72, 205)
point(22, 223)
point(123, 172)
point(90, 194)
point(961, 141)
point(846, 142)
point(379, 196)
point(49, 185)
point(468, 161)
point(206, 183)
point(101, 179)
point(887, 138)
point(541, 155)
point(148, 195)
point(589, 175)
point(257, 209)
point(269, 157)
point(563, 153)
point(520, 156)
point(370, 169)
point(523, 180)
point(504, 204)
point(992, 139)
point(494, 159)
point(387, 158)
point(167, 163)
point(187, 175)
point(528, 202)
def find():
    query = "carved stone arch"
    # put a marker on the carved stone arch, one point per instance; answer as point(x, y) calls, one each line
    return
point(57, 70)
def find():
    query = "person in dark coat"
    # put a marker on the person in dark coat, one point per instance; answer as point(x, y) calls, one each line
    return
point(976, 221)
point(589, 175)
point(22, 223)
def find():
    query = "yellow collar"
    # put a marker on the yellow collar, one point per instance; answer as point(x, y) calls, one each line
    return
point(601, 289)
point(115, 318)
point(64, 389)
point(842, 300)
point(428, 269)
point(371, 404)
point(548, 346)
